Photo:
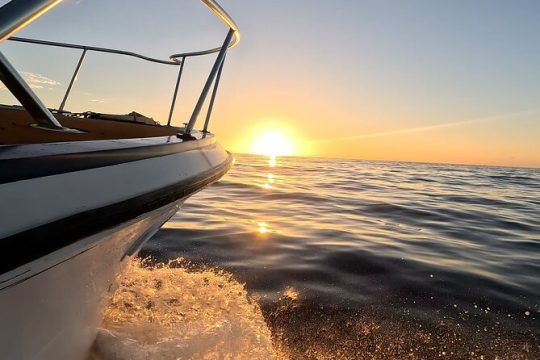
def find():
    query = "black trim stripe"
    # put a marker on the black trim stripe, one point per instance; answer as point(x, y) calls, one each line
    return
point(29, 245)
point(18, 169)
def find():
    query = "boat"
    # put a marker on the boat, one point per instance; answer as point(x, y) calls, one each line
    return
point(80, 193)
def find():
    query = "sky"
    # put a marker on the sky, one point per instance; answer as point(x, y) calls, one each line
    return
point(418, 80)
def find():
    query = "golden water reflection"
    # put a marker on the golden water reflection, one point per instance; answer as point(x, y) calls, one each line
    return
point(262, 227)
point(268, 183)
point(272, 161)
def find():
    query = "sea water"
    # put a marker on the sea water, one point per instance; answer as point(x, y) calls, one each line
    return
point(306, 258)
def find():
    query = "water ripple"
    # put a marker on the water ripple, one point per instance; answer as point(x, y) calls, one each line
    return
point(416, 242)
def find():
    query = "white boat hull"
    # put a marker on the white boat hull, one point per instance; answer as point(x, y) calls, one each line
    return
point(65, 234)
point(54, 314)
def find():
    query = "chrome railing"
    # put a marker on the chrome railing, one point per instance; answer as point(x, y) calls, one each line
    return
point(16, 14)
point(19, 13)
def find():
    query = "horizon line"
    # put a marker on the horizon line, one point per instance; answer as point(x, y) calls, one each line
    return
point(533, 167)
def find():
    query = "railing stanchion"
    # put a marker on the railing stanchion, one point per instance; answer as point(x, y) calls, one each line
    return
point(73, 78)
point(209, 81)
point(20, 89)
point(213, 97)
point(176, 90)
point(15, 15)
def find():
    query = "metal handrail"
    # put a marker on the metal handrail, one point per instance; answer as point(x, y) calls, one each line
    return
point(85, 49)
point(92, 48)
point(222, 14)
point(14, 16)
point(19, 13)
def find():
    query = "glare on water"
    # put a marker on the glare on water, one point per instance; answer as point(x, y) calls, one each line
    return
point(341, 259)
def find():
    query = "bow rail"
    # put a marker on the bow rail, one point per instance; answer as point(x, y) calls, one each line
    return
point(19, 13)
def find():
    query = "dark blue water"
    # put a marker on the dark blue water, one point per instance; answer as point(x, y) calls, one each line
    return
point(363, 259)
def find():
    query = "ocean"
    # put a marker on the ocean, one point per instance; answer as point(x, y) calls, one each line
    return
point(308, 258)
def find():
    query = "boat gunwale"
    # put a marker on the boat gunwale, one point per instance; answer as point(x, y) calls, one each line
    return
point(48, 159)
point(47, 238)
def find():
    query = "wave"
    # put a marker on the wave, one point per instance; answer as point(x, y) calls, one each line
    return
point(342, 260)
point(172, 311)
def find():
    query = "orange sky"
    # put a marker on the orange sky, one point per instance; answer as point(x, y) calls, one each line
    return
point(412, 81)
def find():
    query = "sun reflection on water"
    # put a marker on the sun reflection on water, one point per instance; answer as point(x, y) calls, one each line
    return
point(262, 227)
point(268, 183)
point(305, 233)
point(272, 161)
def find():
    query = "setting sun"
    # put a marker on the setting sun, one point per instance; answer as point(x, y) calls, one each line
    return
point(274, 144)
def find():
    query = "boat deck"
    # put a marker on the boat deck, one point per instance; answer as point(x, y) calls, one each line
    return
point(17, 127)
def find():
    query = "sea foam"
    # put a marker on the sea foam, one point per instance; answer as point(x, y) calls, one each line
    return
point(174, 311)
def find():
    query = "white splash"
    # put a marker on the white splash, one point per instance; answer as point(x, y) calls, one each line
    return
point(170, 311)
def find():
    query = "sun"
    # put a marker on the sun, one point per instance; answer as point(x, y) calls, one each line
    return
point(273, 143)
